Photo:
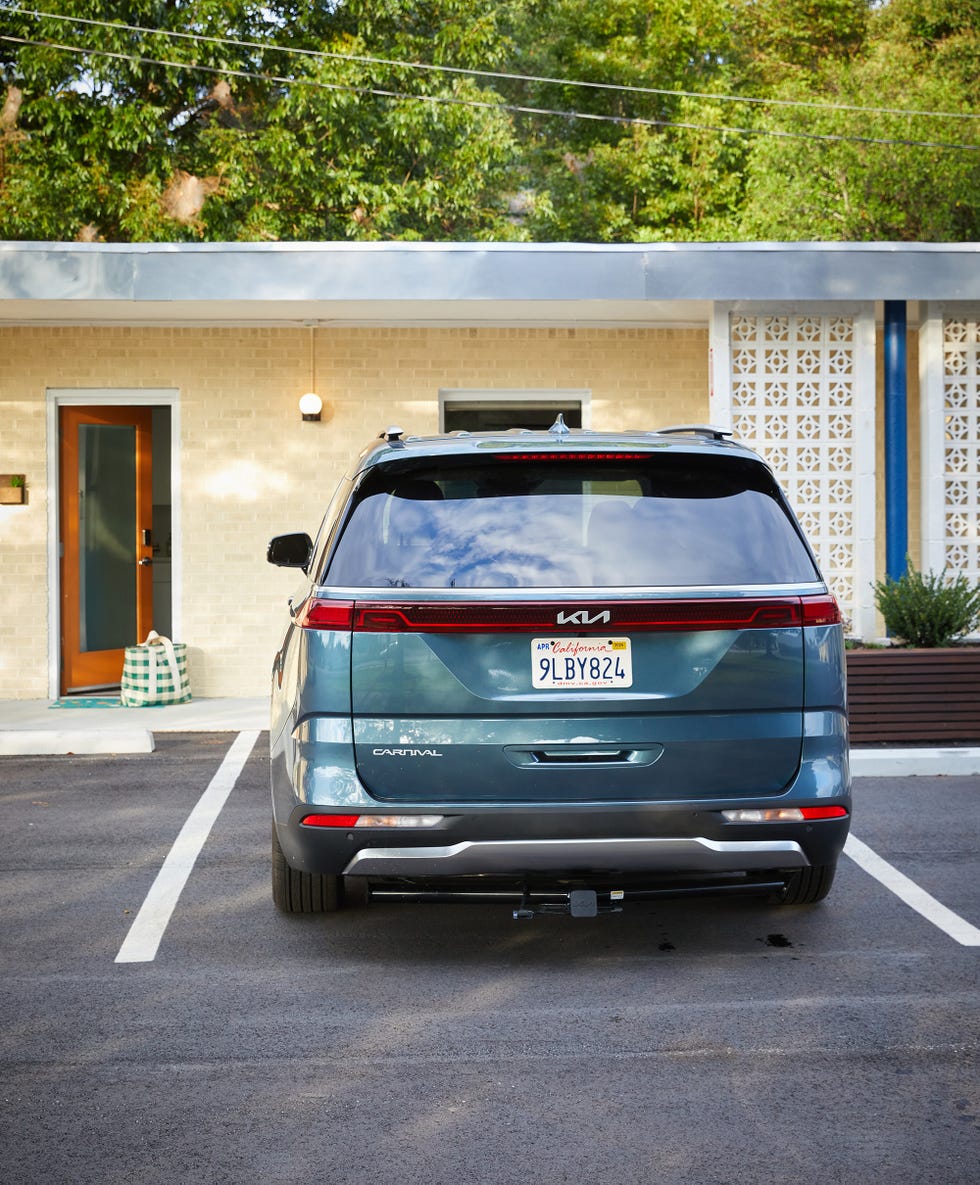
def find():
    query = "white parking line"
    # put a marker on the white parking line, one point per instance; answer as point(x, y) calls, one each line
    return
point(918, 899)
point(143, 939)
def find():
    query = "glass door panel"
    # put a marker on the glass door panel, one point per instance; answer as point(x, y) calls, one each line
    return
point(106, 536)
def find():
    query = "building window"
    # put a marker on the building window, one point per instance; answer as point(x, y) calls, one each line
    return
point(496, 411)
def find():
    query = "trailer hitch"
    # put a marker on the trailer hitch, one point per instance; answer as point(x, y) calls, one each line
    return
point(577, 903)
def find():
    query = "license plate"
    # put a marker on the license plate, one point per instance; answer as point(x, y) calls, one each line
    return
point(558, 663)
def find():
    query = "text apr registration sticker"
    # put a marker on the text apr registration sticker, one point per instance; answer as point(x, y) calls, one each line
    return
point(560, 663)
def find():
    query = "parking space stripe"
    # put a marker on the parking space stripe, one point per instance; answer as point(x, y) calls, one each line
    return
point(909, 892)
point(143, 940)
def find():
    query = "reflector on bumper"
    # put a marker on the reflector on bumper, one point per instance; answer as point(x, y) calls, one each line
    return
point(372, 820)
point(784, 814)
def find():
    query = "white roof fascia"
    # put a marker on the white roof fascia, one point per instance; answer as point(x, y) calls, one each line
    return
point(459, 283)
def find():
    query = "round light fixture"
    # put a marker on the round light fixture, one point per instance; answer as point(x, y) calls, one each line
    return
point(310, 406)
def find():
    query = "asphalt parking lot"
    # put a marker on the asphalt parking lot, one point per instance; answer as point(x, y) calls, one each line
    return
point(165, 1026)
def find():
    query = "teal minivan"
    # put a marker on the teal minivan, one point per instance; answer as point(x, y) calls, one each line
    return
point(566, 670)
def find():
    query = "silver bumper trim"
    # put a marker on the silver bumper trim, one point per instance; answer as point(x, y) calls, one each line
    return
point(578, 855)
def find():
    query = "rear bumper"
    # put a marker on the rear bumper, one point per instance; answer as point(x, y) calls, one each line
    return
point(573, 841)
point(577, 856)
point(549, 838)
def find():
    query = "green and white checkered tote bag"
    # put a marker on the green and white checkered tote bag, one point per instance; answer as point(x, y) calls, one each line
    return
point(155, 673)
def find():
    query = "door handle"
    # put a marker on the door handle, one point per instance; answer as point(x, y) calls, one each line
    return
point(146, 562)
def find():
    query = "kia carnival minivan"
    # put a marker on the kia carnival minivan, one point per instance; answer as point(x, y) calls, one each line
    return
point(564, 670)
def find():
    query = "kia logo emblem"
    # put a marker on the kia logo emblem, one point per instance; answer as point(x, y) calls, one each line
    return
point(583, 617)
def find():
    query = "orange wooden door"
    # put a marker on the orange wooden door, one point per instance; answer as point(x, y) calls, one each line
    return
point(106, 512)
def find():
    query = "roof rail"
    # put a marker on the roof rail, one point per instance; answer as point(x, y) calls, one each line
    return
point(710, 431)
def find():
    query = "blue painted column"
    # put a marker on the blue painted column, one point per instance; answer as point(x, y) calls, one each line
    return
point(896, 440)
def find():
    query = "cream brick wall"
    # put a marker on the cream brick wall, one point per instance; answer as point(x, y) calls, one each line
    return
point(250, 468)
point(23, 529)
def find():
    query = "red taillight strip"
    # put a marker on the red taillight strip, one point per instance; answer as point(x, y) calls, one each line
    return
point(474, 617)
point(315, 614)
point(822, 610)
point(330, 820)
point(470, 617)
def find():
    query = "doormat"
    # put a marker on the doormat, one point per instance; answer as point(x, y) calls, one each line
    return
point(88, 701)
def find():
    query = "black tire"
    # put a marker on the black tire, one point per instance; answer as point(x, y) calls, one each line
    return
point(809, 885)
point(301, 892)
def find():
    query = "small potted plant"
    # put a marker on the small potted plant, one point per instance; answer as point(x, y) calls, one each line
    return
point(12, 489)
point(925, 686)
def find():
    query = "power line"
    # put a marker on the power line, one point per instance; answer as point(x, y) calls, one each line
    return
point(363, 59)
point(456, 100)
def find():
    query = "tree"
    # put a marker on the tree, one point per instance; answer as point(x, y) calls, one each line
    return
point(902, 189)
point(776, 40)
point(110, 146)
point(629, 120)
point(648, 166)
point(246, 142)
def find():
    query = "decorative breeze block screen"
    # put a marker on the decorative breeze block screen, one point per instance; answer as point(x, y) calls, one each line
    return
point(961, 463)
point(793, 380)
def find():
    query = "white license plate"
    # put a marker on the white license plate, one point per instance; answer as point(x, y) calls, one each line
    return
point(558, 663)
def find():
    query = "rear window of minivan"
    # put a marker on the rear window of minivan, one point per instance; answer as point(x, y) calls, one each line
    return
point(667, 519)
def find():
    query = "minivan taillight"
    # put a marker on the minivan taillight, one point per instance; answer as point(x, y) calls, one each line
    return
point(325, 615)
point(580, 617)
point(517, 617)
point(822, 610)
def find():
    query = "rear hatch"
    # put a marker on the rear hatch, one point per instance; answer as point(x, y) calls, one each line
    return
point(575, 626)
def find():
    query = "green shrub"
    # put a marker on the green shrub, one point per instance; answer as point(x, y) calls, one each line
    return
point(925, 609)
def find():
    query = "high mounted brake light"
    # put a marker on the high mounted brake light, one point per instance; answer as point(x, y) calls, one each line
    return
point(571, 455)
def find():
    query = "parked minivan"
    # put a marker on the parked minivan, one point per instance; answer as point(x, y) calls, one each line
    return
point(561, 669)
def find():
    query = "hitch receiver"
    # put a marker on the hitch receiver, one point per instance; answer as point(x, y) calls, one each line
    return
point(579, 903)
point(583, 903)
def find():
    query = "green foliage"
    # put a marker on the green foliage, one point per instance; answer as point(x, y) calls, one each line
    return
point(126, 150)
point(802, 189)
point(665, 178)
point(786, 38)
point(927, 609)
point(174, 139)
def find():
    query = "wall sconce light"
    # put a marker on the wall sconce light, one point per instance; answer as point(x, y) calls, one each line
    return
point(311, 405)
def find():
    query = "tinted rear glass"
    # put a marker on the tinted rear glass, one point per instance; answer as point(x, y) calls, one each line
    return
point(665, 519)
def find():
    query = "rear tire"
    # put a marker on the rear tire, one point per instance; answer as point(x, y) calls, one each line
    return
point(301, 892)
point(809, 885)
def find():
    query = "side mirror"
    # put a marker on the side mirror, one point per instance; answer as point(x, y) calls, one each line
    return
point(290, 551)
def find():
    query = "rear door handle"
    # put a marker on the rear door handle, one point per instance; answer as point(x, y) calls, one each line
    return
point(584, 755)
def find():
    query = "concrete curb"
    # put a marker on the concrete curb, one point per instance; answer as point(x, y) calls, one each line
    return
point(907, 763)
point(37, 742)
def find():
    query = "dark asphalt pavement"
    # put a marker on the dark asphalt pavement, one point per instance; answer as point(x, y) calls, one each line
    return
point(696, 1042)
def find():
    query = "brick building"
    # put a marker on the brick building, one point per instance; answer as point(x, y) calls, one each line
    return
point(202, 353)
